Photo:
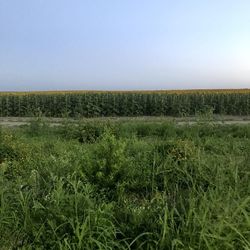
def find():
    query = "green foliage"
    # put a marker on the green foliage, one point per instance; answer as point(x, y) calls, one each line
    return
point(178, 150)
point(89, 132)
point(125, 185)
point(6, 152)
point(108, 163)
point(99, 104)
point(83, 131)
point(8, 149)
point(37, 125)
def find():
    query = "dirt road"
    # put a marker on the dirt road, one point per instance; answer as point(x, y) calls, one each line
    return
point(226, 120)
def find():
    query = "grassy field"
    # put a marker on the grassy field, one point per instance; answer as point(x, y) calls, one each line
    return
point(125, 184)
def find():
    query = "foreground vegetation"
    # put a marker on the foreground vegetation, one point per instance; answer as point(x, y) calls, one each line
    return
point(137, 103)
point(125, 185)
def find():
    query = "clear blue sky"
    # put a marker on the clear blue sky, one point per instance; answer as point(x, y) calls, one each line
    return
point(129, 44)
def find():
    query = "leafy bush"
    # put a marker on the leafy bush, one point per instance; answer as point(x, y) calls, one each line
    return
point(89, 132)
point(107, 166)
point(7, 153)
point(177, 150)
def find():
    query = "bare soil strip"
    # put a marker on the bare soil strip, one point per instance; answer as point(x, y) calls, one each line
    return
point(226, 120)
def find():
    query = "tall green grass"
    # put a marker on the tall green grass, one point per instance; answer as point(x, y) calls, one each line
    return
point(125, 185)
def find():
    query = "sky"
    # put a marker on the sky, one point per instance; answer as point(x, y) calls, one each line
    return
point(124, 45)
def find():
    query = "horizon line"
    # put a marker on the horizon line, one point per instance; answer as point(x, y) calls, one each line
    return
point(130, 90)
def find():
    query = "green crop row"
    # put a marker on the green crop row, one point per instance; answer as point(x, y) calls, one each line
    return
point(123, 104)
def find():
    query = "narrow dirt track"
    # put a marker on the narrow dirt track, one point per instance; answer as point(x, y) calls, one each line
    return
point(223, 120)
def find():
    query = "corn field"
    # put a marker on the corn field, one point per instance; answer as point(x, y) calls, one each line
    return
point(115, 103)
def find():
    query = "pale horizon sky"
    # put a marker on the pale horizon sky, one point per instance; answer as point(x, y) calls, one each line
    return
point(124, 45)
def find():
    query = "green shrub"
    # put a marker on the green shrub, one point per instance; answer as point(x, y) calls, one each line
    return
point(108, 163)
point(89, 132)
